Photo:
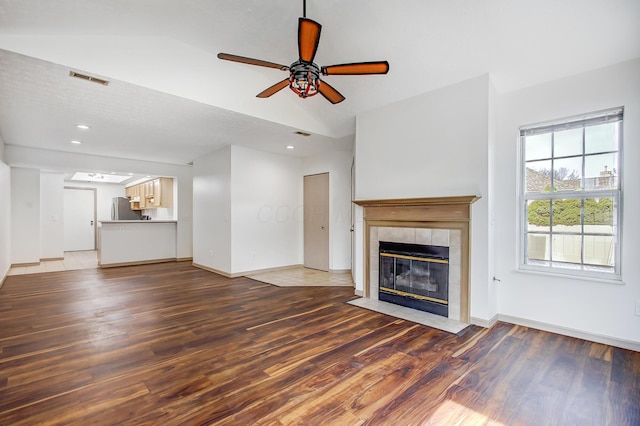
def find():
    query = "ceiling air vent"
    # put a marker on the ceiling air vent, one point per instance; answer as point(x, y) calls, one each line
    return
point(88, 78)
point(302, 133)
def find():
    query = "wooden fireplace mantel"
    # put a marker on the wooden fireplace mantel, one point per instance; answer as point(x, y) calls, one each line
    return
point(439, 209)
point(467, 199)
point(452, 213)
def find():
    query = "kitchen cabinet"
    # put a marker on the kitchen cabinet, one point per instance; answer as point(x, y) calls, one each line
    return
point(152, 194)
point(133, 194)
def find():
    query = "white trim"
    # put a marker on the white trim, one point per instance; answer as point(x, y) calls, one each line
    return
point(244, 273)
point(552, 328)
point(613, 115)
point(610, 115)
point(358, 293)
point(548, 272)
point(483, 322)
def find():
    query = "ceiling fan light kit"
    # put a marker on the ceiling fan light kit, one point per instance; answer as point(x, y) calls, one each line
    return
point(304, 79)
point(304, 75)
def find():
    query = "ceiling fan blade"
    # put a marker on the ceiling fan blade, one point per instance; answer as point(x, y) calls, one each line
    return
point(251, 61)
point(358, 68)
point(273, 89)
point(331, 94)
point(308, 38)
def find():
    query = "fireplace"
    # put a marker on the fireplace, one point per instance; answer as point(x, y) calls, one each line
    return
point(415, 276)
point(442, 221)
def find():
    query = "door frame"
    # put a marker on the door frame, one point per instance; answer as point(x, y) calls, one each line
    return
point(353, 217)
point(95, 209)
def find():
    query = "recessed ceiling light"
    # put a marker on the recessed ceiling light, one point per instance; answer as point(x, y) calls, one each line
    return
point(76, 142)
point(290, 147)
point(130, 174)
point(112, 173)
point(82, 126)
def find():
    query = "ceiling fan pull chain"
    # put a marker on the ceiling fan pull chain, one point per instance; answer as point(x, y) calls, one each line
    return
point(304, 8)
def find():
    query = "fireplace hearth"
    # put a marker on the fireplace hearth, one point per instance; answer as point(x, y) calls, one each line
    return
point(415, 276)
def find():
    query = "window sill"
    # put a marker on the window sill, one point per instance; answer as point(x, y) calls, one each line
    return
point(534, 271)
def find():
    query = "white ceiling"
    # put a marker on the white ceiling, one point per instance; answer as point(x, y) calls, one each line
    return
point(171, 100)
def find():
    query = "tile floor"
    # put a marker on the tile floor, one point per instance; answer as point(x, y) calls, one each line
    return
point(414, 315)
point(301, 276)
point(72, 260)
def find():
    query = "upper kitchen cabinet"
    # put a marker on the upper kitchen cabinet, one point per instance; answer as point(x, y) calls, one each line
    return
point(152, 194)
point(133, 194)
point(159, 193)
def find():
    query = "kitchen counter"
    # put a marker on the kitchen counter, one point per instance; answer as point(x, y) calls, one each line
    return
point(138, 221)
point(135, 242)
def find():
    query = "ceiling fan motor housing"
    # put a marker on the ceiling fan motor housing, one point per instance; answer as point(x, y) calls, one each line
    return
point(304, 79)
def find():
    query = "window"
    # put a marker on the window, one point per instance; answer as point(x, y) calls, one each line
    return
point(570, 195)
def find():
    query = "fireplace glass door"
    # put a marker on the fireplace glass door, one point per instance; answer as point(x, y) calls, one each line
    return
point(415, 276)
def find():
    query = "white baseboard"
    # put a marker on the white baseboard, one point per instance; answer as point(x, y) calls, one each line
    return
point(24, 265)
point(4, 277)
point(215, 271)
point(592, 337)
point(244, 273)
point(142, 262)
point(483, 322)
point(358, 293)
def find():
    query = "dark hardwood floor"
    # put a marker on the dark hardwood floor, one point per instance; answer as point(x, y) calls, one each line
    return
point(170, 344)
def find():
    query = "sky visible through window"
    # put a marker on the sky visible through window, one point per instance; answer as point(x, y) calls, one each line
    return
point(600, 140)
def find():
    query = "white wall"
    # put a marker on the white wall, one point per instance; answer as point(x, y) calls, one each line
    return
point(266, 210)
point(63, 161)
point(212, 210)
point(492, 288)
point(5, 215)
point(25, 215)
point(160, 213)
point(593, 307)
point(338, 165)
point(433, 145)
point(51, 215)
point(247, 210)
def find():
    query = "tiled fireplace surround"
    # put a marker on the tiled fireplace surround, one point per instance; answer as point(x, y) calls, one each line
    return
point(443, 221)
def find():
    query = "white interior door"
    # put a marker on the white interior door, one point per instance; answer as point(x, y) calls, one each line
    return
point(316, 221)
point(79, 219)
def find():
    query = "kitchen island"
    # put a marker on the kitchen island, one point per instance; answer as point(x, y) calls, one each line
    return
point(135, 242)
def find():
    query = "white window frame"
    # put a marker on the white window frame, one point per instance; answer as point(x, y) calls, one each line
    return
point(610, 115)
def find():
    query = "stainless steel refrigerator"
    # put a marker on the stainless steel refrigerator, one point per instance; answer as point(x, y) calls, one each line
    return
point(121, 210)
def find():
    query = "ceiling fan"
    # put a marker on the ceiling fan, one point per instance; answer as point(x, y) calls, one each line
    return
point(304, 74)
